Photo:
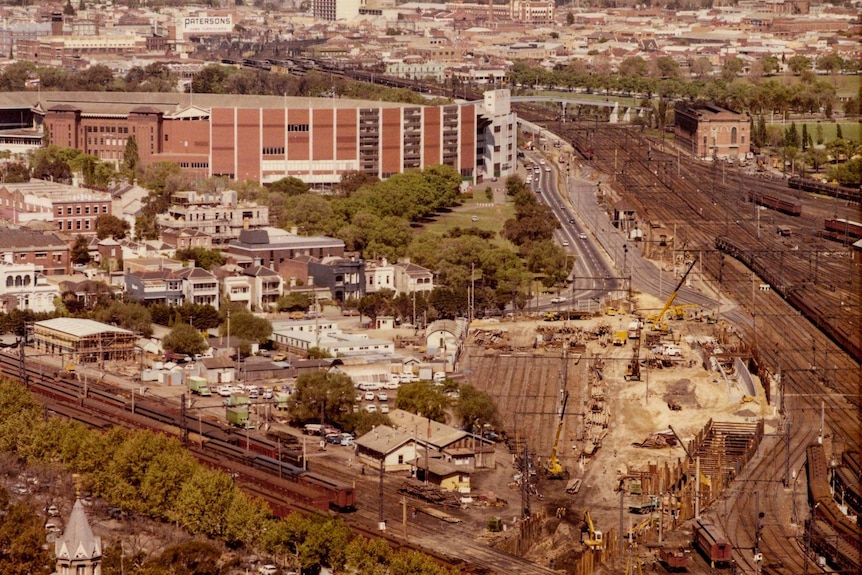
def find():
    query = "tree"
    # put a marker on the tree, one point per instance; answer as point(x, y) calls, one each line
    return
point(203, 258)
point(701, 67)
point(111, 226)
point(475, 408)
point(770, 65)
point(666, 67)
point(424, 399)
point(21, 540)
point(323, 397)
point(570, 18)
point(184, 338)
point(132, 316)
point(80, 251)
point(353, 180)
point(15, 173)
point(791, 136)
point(290, 186)
point(830, 63)
point(799, 64)
point(818, 134)
point(248, 327)
point(805, 137)
point(131, 157)
point(732, 67)
point(294, 301)
point(189, 558)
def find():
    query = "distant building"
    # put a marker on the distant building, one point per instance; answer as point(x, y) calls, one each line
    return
point(274, 247)
point(219, 216)
point(710, 132)
point(345, 278)
point(45, 250)
point(73, 210)
point(23, 288)
point(83, 340)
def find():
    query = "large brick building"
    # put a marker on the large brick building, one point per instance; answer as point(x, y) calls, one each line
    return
point(47, 252)
point(710, 132)
point(266, 138)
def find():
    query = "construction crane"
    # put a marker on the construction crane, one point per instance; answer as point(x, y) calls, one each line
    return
point(554, 469)
point(656, 323)
point(594, 538)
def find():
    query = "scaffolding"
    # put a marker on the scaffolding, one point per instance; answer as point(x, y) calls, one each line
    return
point(85, 340)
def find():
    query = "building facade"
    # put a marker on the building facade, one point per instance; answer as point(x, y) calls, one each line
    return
point(219, 216)
point(48, 253)
point(711, 132)
point(73, 210)
point(267, 138)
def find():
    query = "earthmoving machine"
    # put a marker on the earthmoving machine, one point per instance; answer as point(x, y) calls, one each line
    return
point(592, 537)
point(657, 324)
point(554, 469)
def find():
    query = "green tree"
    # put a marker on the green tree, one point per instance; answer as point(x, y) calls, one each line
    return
point(21, 540)
point(189, 558)
point(294, 301)
point(353, 180)
point(732, 67)
point(290, 186)
point(322, 396)
point(475, 408)
point(838, 134)
point(799, 64)
point(184, 338)
point(818, 134)
point(203, 503)
point(203, 258)
point(424, 399)
point(111, 226)
point(131, 157)
point(770, 65)
point(132, 316)
point(805, 137)
point(80, 251)
point(791, 136)
point(247, 327)
point(15, 173)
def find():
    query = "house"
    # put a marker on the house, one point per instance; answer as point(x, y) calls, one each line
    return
point(217, 370)
point(221, 216)
point(157, 286)
point(199, 285)
point(445, 475)
point(186, 238)
point(345, 278)
point(444, 338)
point(24, 288)
point(266, 287)
point(455, 446)
point(410, 278)
point(45, 250)
point(711, 132)
point(272, 247)
point(392, 448)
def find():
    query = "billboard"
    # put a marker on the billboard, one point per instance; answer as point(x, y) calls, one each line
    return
point(207, 24)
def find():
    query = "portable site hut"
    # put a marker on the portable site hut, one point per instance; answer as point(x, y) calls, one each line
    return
point(84, 340)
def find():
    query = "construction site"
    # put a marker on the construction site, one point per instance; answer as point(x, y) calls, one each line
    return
point(609, 420)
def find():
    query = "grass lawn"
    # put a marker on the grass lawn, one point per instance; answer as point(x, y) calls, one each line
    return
point(850, 130)
point(490, 217)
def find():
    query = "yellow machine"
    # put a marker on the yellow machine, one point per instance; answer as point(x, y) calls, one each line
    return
point(554, 469)
point(678, 311)
point(657, 324)
point(593, 538)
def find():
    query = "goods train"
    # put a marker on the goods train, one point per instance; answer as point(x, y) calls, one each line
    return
point(213, 438)
point(712, 543)
point(775, 203)
point(842, 229)
point(815, 187)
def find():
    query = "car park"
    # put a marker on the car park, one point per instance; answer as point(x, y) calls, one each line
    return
point(371, 408)
point(383, 396)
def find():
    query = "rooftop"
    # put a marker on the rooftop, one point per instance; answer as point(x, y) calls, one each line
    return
point(79, 327)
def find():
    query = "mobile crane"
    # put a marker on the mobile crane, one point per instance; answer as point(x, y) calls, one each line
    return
point(593, 538)
point(657, 325)
point(554, 469)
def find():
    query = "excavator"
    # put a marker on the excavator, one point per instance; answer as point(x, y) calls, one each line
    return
point(592, 538)
point(554, 469)
point(657, 324)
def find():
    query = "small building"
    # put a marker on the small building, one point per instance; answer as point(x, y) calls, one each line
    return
point(84, 340)
point(455, 446)
point(217, 370)
point(444, 339)
point(395, 449)
point(445, 475)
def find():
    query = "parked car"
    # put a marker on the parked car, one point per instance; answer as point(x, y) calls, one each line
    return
point(267, 393)
point(558, 299)
point(333, 438)
point(53, 528)
point(383, 396)
point(369, 396)
point(236, 389)
point(347, 440)
point(252, 393)
point(439, 376)
point(384, 408)
point(267, 569)
point(53, 511)
point(371, 408)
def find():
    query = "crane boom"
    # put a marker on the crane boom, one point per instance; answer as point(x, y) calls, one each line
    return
point(673, 295)
point(555, 469)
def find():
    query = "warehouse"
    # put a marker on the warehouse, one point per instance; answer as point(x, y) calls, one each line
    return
point(84, 340)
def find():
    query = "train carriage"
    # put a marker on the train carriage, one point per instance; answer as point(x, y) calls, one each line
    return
point(712, 543)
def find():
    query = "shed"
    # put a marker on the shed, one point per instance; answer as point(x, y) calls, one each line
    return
point(447, 476)
point(218, 370)
point(397, 450)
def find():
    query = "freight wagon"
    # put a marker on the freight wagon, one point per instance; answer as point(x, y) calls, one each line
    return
point(843, 228)
point(712, 543)
point(775, 203)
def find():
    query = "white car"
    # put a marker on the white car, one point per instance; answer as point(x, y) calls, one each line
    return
point(439, 376)
point(384, 408)
point(566, 243)
point(371, 408)
point(369, 396)
point(558, 299)
point(267, 570)
point(582, 235)
point(383, 396)
point(224, 390)
point(236, 389)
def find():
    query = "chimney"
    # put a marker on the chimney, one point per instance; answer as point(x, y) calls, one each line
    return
point(191, 264)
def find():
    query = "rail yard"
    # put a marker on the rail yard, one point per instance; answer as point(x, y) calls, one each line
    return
point(666, 424)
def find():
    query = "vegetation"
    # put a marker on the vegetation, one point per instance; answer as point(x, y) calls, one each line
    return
point(423, 398)
point(184, 338)
point(203, 258)
point(145, 473)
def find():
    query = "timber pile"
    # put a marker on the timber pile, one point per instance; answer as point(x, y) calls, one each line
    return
point(429, 493)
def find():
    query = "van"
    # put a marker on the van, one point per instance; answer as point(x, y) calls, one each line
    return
point(312, 429)
point(369, 386)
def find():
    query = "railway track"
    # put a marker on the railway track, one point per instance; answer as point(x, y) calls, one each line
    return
point(816, 365)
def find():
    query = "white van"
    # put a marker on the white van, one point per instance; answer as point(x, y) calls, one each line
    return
point(369, 386)
point(312, 429)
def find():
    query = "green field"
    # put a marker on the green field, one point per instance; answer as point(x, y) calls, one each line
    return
point(849, 130)
point(489, 217)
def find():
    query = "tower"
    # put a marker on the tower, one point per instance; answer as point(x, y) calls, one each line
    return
point(78, 551)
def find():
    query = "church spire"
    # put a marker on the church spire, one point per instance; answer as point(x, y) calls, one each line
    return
point(78, 547)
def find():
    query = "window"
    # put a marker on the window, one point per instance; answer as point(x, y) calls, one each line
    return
point(86, 209)
point(297, 127)
point(105, 209)
point(78, 210)
point(69, 211)
point(733, 135)
point(41, 255)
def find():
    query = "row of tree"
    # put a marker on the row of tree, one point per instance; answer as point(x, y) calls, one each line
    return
point(149, 474)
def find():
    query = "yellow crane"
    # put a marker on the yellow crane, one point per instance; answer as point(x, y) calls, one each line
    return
point(594, 538)
point(657, 325)
point(554, 469)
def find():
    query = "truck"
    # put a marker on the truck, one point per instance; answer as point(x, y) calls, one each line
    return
point(237, 401)
point(619, 337)
point(634, 329)
point(199, 386)
point(238, 416)
point(281, 398)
